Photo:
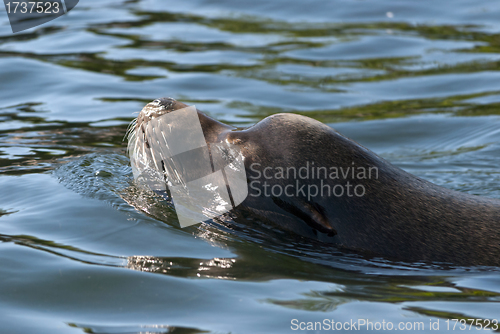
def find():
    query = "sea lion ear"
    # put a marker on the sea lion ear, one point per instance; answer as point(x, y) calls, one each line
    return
point(311, 213)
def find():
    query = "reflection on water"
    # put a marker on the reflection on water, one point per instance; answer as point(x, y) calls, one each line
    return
point(135, 329)
point(416, 82)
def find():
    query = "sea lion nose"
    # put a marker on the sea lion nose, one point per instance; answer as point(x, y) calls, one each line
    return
point(164, 102)
point(212, 129)
point(163, 105)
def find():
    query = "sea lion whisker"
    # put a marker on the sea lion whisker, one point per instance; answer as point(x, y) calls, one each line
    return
point(130, 129)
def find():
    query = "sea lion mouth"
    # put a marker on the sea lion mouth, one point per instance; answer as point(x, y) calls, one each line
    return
point(177, 151)
point(165, 129)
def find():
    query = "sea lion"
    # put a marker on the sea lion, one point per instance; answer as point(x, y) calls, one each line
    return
point(306, 178)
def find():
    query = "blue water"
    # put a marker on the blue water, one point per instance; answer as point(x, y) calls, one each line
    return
point(417, 82)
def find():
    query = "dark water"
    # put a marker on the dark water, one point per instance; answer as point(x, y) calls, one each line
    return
point(418, 82)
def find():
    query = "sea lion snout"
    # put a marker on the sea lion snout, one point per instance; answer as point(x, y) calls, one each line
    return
point(158, 108)
point(167, 104)
point(213, 130)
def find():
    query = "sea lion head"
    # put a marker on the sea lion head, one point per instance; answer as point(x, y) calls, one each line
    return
point(281, 155)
